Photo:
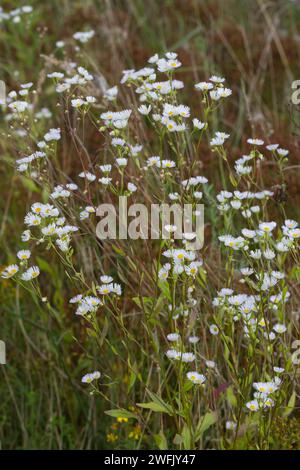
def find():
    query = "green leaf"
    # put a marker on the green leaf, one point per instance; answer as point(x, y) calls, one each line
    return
point(295, 273)
point(186, 437)
point(30, 185)
point(157, 399)
point(137, 301)
point(231, 397)
point(232, 180)
point(177, 440)
point(104, 331)
point(188, 385)
point(205, 423)
point(290, 406)
point(164, 287)
point(151, 405)
point(159, 303)
point(157, 404)
point(118, 250)
point(143, 300)
point(161, 441)
point(45, 266)
point(133, 375)
point(121, 413)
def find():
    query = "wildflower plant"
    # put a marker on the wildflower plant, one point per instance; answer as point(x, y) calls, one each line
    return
point(206, 357)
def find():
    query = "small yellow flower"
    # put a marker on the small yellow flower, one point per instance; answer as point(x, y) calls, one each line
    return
point(122, 420)
point(136, 432)
point(110, 437)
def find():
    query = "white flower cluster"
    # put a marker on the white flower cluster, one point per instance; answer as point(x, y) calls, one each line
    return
point(255, 252)
point(80, 77)
point(89, 304)
point(15, 15)
point(263, 395)
point(84, 36)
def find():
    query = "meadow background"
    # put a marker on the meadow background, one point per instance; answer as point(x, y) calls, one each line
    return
point(256, 46)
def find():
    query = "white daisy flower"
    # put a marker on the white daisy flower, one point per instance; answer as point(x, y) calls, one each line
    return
point(280, 328)
point(210, 364)
point(88, 378)
point(24, 254)
point(25, 236)
point(105, 168)
point(272, 147)
point(52, 134)
point(87, 175)
point(77, 103)
point(32, 219)
point(230, 425)
point(252, 405)
point(267, 227)
point(30, 273)
point(198, 124)
point(294, 233)
point(216, 79)
point(131, 187)
point(173, 337)
point(18, 106)
point(196, 378)
point(10, 271)
point(111, 93)
point(194, 339)
point(122, 162)
point(255, 141)
point(83, 36)
point(214, 330)
point(145, 110)
point(282, 152)
point(106, 279)
point(173, 354)
point(168, 164)
point(204, 86)
point(187, 357)
point(74, 300)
